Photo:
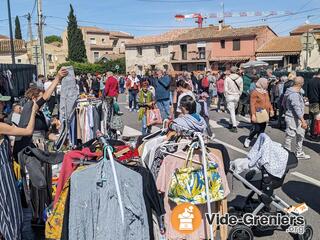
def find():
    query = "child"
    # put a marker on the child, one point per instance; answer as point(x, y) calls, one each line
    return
point(145, 102)
point(190, 119)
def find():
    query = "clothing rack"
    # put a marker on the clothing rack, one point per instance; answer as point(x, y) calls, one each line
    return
point(197, 135)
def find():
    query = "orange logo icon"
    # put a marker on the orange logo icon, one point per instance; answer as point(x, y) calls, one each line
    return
point(186, 218)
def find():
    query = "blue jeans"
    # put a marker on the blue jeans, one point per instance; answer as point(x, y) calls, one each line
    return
point(132, 99)
point(144, 128)
point(164, 107)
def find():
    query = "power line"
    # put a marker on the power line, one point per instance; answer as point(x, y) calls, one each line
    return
point(34, 7)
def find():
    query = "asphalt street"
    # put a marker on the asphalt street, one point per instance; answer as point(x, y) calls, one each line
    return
point(301, 184)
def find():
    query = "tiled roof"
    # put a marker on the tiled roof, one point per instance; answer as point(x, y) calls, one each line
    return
point(162, 38)
point(94, 30)
point(192, 34)
point(120, 34)
point(281, 45)
point(19, 46)
point(304, 28)
point(214, 33)
point(3, 37)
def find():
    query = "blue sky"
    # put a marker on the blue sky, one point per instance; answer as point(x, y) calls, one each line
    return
point(146, 17)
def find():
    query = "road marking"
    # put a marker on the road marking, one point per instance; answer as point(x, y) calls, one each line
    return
point(307, 178)
point(214, 124)
point(230, 146)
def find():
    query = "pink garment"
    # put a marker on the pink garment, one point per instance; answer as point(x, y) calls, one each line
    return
point(68, 167)
point(169, 165)
point(220, 85)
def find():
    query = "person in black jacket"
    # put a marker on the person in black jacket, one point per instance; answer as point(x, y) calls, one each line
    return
point(314, 102)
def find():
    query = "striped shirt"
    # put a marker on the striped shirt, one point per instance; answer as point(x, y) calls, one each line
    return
point(10, 203)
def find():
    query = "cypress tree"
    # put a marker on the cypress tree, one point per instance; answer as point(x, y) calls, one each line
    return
point(18, 34)
point(76, 47)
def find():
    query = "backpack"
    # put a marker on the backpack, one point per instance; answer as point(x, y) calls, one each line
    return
point(205, 82)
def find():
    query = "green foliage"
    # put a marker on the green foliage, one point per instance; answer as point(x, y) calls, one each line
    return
point(76, 47)
point(17, 32)
point(52, 38)
point(83, 68)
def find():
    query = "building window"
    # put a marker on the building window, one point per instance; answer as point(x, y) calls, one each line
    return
point(139, 51)
point(93, 41)
point(183, 67)
point(201, 67)
point(158, 50)
point(184, 53)
point(96, 56)
point(202, 52)
point(103, 40)
point(223, 43)
point(236, 45)
point(50, 58)
point(19, 60)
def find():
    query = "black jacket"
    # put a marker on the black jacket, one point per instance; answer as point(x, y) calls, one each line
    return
point(314, 90)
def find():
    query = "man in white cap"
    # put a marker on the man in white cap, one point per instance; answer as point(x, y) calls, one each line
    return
point(233, 87)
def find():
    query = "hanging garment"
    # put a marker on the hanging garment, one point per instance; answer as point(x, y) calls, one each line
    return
point(151, 196)
point(54, 223)
point(169, 165)
point(68, 96)
point(37, 176)
point(68, 166)
point(94, 208)
point(10, 203)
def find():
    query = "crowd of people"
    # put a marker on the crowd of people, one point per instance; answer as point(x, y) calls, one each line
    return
point(261, 97)
point(185, 99)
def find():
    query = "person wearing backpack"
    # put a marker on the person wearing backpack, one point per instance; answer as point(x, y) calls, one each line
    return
point(295, 123)
point(233, 87)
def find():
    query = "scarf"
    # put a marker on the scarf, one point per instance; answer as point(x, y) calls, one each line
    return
point(262, 85)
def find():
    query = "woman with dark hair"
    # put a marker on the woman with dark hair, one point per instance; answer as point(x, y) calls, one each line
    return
point(190, 119)
point(41, 128)
point(183, 89)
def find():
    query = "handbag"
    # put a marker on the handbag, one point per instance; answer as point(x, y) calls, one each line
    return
point(153, 117)
point(262, 116)
point(188, 184)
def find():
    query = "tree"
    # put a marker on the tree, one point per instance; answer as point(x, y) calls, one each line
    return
point(18, 34)
point(52, 38)
point(76, 47)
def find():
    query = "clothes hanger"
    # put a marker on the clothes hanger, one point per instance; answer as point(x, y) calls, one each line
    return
point(194, 145)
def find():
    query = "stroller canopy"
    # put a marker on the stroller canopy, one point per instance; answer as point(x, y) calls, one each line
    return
point(270, 155)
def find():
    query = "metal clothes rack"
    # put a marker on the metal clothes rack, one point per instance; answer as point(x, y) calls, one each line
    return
point(198, 135)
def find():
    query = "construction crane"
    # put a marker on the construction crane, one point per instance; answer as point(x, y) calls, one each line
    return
point(199, 17)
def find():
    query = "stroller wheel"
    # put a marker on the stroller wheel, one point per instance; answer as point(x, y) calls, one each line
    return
point(240, 232)
point(308, 233)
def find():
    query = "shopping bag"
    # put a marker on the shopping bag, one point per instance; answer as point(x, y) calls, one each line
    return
point(153, 117)
point(188, 184)
point(262, 116)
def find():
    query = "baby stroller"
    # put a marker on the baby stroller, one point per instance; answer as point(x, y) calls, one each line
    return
point(262, 183)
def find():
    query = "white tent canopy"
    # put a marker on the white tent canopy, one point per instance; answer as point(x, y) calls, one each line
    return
point(254, 64)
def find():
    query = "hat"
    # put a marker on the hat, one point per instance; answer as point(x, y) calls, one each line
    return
point(234, 69)
point(4, 98)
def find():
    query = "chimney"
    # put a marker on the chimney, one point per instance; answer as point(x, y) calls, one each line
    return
point(220, 25)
